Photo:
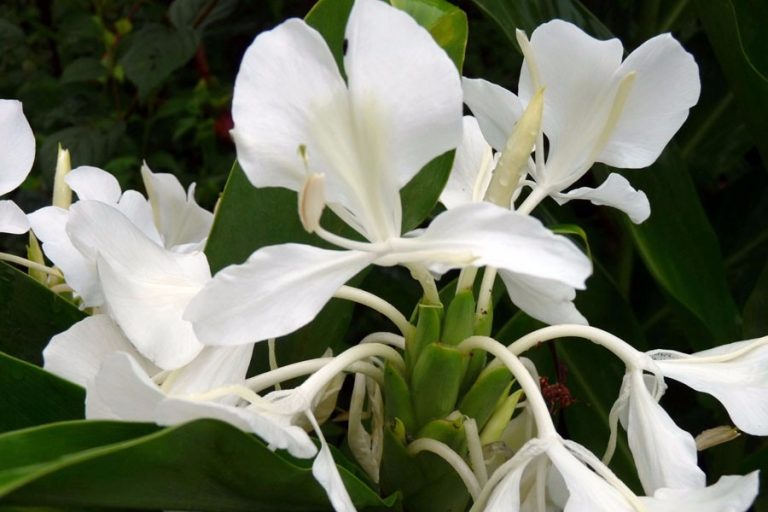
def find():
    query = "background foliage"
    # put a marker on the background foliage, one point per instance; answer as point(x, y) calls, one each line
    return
point(121, 81)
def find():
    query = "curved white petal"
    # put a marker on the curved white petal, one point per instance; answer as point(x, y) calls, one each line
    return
point(92, 183)
point(326, 472)
point(577, 73)
point(286, 76)
point(615, 191)
point(547, 300)
point(212, 368)
point(177, 216)
point(77, 353)
point(665, 455)
point(729, 494)
point(666, 86)
point(735, 374)
point(122, 390)
point(146, 288)
point(17, 146)
point(506, 495)
point(497, 110)
point(484, 234)
point(138, 210)
point(404, 90)
point(12, 218)
point(276, 434)
point(277, 290)
point(472, 168)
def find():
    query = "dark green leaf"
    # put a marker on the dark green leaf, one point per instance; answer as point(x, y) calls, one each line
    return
point(756, 308)
point(198, 14)
point(736, 30)
point(32, 396)
point(85, 69)
point(446, 22)
point(329, 17)
point(203, 465)
point(31, 315)
point(155, 52)
point(420, 195)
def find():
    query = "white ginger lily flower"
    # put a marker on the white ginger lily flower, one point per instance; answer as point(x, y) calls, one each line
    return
point(736, 374)
point(170, 218)
point(399, 109)
point(596, 108)
point(17, 153)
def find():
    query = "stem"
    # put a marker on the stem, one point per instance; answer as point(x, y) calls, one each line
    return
point(451, 457)
point(272, 357)
point(533, 396)
point(377, 304)
point(475, 451)
point(12, 258)
point(486, 291)
point(466, 279)
point(427, 282)
point(537, 194)
point(263, 381)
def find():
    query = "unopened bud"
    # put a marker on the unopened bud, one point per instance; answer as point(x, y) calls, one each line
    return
point(312, 202)
point(513, 164)
point(62, 194)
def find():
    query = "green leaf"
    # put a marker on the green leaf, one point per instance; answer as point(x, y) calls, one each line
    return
point(203, 465)
point(420, 195)
point(32, 396)
point(85, 69)
point(155, 52)
point(329, 17)
point(755, 317)
point(31, 314)
point(575, 230)
point(526, 15)
point(736, 31)
point(680, 248)
point(446, 22)
point(198, 14)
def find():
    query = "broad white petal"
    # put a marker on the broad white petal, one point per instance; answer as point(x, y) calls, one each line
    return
point(138, 210)
point(472, 168)
point(577, 73)
point(587, 491)
point(92, 183)
point(17, 146)
point(276, 434)
point(49, 226)
point(506, 495)
point(485, 234)
point(12, 218)
point(615, 191)
point(739, 381)
point(277, 290)
point(497, 110)
point(122, 390)
point(546, 300)
point(286, 76)
point(326, 472)
point(146, 288)
point(665, 455)
point(212, 368)
point(77, 353)
point(729, 494)
point(666, 86)
point(405, 92)
point(177, 216)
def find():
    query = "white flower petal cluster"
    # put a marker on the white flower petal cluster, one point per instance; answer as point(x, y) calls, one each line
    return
point(17, 153)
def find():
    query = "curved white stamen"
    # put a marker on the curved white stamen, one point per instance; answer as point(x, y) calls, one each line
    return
point(451, 457)
point(263, 381)
point(377, 304)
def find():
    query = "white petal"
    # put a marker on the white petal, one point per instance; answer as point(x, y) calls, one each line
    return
point(138, 210)
point(587, 491)
point(730, 494)
point(326, 473)
point(12, 219)
point(577, 73)
point(277, 290)
point(665, 455)
point(497, 110)
point(472, 168)
point(405, 91)
point(92, 183)
point(615, 191)
point(739, 381)
point(666, 86)
point(146, 288)
point(214, 367)
point(49, 226)
point(506, 493)
point(77, 353)
point(17, 146)
point(546, 300)
point(484, 234)
point(279, 436)
point(177, 216)
point(122, 390)
point(285, 75)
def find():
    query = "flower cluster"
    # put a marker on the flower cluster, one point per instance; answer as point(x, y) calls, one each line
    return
point(167, 342)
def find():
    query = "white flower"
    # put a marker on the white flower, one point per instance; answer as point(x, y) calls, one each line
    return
point(736, 374)
point(295, 117)
point(596, 108)
point(17, 153)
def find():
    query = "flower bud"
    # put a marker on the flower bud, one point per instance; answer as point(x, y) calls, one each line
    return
point(62, 194)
